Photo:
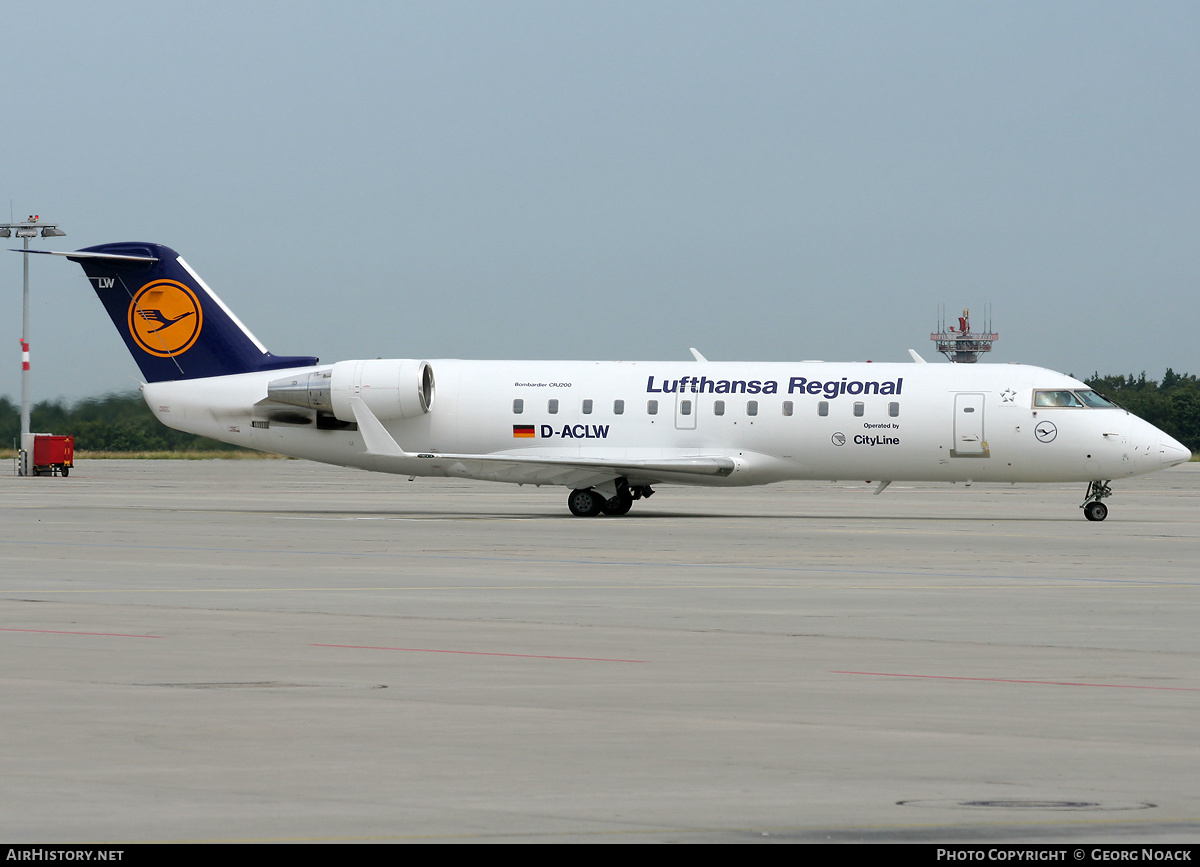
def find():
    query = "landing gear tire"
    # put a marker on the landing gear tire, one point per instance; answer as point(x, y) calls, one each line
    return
point(620, 504)
point(585, 503)
point(1093, 509)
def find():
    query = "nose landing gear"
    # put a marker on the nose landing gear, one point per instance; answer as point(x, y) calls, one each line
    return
point(1093, 509)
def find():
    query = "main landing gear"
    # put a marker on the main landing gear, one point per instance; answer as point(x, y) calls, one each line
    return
point(1093, 509)
point(589, 502)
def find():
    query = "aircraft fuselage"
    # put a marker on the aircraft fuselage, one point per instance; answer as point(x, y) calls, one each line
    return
point(776, 421)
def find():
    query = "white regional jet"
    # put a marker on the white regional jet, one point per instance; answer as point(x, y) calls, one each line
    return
point(607, 430)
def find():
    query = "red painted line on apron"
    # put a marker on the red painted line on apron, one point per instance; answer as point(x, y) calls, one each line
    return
point(477, 653)
point(1014, 680)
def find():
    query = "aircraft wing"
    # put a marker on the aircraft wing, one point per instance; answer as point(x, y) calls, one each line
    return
point(578, 472)
point(574, 472)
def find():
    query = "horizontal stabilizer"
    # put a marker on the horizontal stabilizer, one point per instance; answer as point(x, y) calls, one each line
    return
point(79, 255)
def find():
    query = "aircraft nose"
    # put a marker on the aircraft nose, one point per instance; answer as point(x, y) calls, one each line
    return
point(1172, 452)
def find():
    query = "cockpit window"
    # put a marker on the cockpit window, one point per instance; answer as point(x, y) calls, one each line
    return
point(1080, 398)
point(1093, 398)
point(1055, 398)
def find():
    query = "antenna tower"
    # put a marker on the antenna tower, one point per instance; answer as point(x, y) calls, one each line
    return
point(962, 345)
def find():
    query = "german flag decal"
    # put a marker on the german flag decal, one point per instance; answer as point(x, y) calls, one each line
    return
point(523, 430)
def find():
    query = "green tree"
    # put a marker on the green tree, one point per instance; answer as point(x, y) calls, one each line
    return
point(112, 423)
point(1172, 405)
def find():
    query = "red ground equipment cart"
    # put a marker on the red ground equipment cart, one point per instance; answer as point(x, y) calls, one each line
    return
point(53, 455)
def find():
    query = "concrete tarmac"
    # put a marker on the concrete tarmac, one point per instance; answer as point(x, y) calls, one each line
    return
point(281, 651)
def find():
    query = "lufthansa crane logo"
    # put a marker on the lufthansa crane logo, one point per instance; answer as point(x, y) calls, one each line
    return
point(165, 318)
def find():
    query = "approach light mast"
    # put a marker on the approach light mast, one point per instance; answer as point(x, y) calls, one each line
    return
point(27, 229)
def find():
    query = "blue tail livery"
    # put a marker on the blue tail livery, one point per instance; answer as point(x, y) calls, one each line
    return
point(174, 325)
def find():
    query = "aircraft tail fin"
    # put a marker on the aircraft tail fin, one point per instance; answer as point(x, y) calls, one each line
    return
point(173, 323)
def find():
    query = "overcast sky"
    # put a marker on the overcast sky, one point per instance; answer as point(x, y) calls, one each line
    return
point(764, 181)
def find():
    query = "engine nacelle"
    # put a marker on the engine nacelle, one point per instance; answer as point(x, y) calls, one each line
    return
point(391, 388)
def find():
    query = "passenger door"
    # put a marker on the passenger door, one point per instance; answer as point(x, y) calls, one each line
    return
point(969, 439)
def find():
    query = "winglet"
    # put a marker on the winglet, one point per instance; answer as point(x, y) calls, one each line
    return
point(375, 436)
point(918, 359)
point(696, 354)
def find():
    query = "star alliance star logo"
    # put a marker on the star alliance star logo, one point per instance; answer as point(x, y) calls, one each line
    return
point(1007, 395)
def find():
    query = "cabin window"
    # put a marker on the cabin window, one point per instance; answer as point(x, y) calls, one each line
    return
point(718, 407)
point(652, 407)
point(552, 406)
point(788, 406)
point(587, 407)
point(859, 408)
point(823, 408)
point(518, 406)
point(752, 407)
point(894, 408)
point(618, 407)
point(685, 407)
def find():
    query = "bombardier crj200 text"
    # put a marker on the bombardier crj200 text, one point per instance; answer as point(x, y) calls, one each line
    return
point(608, 430)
